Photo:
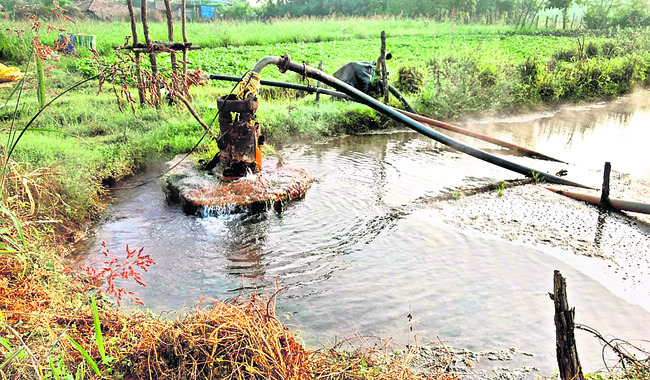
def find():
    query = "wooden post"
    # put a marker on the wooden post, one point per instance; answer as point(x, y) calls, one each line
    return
point(184, 27)
point(320, 67)
point(384, 71)
point(152, 55)
point(604, 196)
point(170, 35)
point(567, 353)
point(138, 68)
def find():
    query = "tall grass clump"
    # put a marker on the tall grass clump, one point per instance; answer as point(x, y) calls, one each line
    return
point(587, 78)
point(464, 84)
point(14, 48)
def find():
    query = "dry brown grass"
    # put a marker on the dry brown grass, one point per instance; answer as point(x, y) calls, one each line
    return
point(238, 339)
point(244, 339)
point(34, 197)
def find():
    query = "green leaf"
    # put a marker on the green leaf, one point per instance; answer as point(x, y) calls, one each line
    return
point(40, 77)
point(12, 244)
point(12, 356)
point(5, 343)
point(85, 355)
point(98, 332)
point(54, 369)
point(11, 215)
point(7, 252)
point(16, 87)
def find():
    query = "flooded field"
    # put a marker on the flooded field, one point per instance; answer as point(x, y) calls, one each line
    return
point(370, 244)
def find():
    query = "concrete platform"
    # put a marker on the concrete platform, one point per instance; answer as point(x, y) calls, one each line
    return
point(205, 193)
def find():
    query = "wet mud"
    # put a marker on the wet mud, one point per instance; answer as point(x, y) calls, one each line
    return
point(534, 216)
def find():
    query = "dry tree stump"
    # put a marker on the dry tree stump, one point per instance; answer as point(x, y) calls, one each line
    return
point(565, 343)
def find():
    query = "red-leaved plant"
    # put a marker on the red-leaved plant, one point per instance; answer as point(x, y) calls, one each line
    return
point(114, 268)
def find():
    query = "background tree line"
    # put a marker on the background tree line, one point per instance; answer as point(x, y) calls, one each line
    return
point(564, 14)
point(595, 14)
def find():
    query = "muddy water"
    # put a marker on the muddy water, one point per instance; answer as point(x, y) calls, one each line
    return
point(367, 246)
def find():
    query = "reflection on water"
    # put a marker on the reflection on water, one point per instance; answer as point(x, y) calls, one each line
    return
point(586, 136)
point(361, 250)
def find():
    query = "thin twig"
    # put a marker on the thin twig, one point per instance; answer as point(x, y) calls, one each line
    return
point(29, 352)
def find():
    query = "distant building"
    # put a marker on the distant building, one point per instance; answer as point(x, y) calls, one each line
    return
point(104, 10)
point(203, 9)
point(108, 10)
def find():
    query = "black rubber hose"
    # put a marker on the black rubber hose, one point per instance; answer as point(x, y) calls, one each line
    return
point(284, 63)
point(313, 90)
point(292, 86)
point(412, 115)
point(399, 97)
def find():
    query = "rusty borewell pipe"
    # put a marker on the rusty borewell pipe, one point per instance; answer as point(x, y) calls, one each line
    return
point(284, 63)
point(240, 137)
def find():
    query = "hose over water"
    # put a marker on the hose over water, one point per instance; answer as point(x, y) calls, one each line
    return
point(411, 114)
point(284, 63)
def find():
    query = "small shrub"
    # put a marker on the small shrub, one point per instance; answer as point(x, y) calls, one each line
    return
point(487, 76)
point(609, 50)
point(530, 71)
point(410, 79)
point(591, 50)
point(566, 55)
point(547, 91)
point(500, 188)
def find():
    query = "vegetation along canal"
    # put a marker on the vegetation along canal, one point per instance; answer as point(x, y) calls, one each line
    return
point(371, 243)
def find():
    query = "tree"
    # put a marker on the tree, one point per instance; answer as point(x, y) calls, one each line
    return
point(529, 10)
point(598, 11)
point(562, 5)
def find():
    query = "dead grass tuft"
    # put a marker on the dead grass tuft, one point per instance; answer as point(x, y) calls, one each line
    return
point(240, 339)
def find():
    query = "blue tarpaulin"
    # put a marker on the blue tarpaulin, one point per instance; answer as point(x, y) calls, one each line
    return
point(207, 11)
point(76, 41)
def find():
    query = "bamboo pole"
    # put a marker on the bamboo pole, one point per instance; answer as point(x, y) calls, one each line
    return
point(184, 28)
point(159, 45)
point(138, 67)
point(152, 55)
point(604, 197)
point(320, 67)
point(170, 35)
point(384, 71)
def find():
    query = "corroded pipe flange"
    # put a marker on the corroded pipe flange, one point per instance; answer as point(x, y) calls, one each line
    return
point(285, 61)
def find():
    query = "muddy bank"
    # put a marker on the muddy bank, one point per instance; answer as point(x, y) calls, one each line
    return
point(471, 365)
point(617, 243)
